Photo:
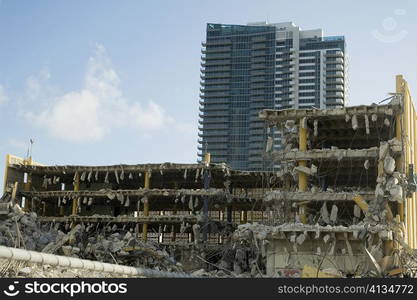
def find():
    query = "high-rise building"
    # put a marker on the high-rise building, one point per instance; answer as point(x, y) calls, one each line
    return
point(247, 68)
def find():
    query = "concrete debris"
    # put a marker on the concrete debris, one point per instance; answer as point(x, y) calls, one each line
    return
point(396, 192)
point(300, 239)
point(333, 214)
point(309, 171)
point(389, 164)
point(354, 122)
point(347, 118)
point(356, 211)
point(325, 213)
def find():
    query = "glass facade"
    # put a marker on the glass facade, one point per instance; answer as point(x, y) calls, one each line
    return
point(246, 69)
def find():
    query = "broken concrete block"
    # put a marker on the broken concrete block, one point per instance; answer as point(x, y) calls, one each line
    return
point(392, 182)
point(389, 164)
point(289, 124)
point(354, 122)
point(333, 213)
point(397, 193)
point(356, 211)
point(347, 118)
point(381, 180)
point(301, 238)
point(303, 169)
point(379, 190)
point(26, 271)
point(385, 235)
point(325, 213)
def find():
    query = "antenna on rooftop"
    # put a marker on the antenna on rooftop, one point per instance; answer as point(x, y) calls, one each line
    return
point(29, 152)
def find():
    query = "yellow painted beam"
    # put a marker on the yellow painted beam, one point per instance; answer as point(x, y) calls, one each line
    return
point(76, 189)
point(146, 206)
point(361, 203)
point(207, 159)
point(398, 135)
point(302, 178)
point(6, 168)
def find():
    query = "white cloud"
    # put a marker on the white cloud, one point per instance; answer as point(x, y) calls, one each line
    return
point(90, 113)
point(3, 96)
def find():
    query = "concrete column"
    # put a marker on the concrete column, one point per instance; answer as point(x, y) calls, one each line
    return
point(76, 189)
point(302, 178)
point(146, 207)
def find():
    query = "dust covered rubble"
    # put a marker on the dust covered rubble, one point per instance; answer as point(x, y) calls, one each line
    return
point(109, 244)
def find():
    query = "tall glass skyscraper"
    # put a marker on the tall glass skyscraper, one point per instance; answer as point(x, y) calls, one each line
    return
point(247, 68)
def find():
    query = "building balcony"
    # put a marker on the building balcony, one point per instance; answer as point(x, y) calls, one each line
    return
point(335, 88)
point(338, 53)
point(214, 122)
point(217, 43)
point(335, 60)
point(334, 95)
point(212, 134)
point(213, 88)
point(208, 128)
point(214, 94)
point(217, 50)
point(208, 63)
point(335, 74)
point(335, 81)
point(215, 75)
point(334, 101)
point(211, 56)
point(334, 67)
point(215, 82)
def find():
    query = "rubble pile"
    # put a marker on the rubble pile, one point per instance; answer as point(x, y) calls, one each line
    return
point(21, 230)
point(107, 244)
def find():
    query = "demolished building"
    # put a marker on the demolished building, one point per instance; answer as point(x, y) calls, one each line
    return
point(342, 203)
point(348, 200)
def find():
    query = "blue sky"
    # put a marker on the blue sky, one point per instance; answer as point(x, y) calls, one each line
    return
point(107, 82)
